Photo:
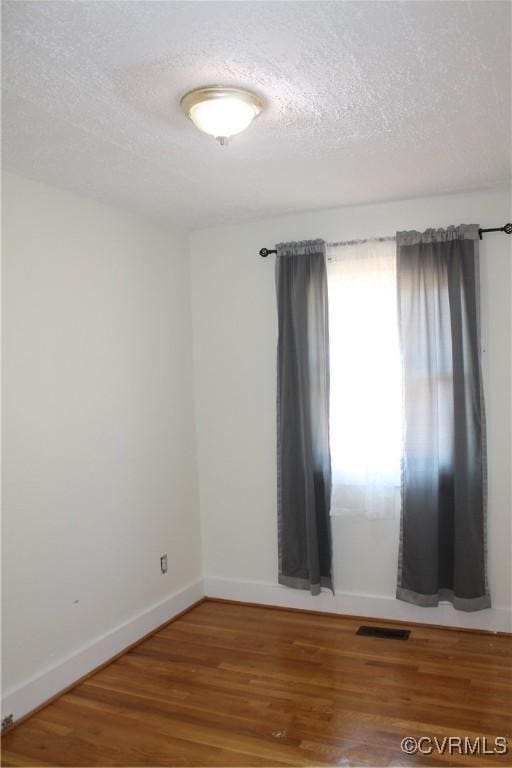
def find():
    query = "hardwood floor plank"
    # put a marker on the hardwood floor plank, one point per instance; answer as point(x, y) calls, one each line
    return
point(235, 685)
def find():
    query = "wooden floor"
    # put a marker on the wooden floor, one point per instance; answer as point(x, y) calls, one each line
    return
point(232, 685)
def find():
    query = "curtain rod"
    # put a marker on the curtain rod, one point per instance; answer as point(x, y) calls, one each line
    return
point(507, 228)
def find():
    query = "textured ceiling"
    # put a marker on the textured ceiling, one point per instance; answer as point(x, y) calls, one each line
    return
point(367, 101)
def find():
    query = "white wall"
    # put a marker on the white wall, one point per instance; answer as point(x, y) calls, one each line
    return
point(235, 331)
point(98, 430)
point(99, 458)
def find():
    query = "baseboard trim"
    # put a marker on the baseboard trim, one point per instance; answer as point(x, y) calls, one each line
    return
point(368, 607)
point(358, 617)
point(37, 693)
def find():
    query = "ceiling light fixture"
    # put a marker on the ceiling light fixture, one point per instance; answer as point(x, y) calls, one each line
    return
point(220, 110)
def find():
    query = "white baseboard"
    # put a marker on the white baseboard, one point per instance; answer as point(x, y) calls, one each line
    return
point(491, 619)
point(36, 691)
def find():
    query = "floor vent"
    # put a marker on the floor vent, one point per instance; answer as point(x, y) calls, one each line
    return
point(397, 634)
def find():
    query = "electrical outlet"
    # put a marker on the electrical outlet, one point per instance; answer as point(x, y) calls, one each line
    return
point(163, 563)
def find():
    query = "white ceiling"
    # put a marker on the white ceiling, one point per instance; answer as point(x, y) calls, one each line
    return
point(367, 101)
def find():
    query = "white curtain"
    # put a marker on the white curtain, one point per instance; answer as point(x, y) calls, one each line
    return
point(366, 400)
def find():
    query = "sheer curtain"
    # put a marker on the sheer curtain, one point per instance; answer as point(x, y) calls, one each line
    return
point(365, 390)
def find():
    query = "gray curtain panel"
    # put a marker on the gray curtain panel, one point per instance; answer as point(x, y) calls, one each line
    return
point(303, 456)
point(443, 526)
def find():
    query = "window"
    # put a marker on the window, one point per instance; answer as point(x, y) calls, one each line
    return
point(366, 400)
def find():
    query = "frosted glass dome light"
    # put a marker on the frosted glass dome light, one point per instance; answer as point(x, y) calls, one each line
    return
point(221, 111)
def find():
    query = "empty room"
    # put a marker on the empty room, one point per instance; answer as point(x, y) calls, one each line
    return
point(256, 383)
